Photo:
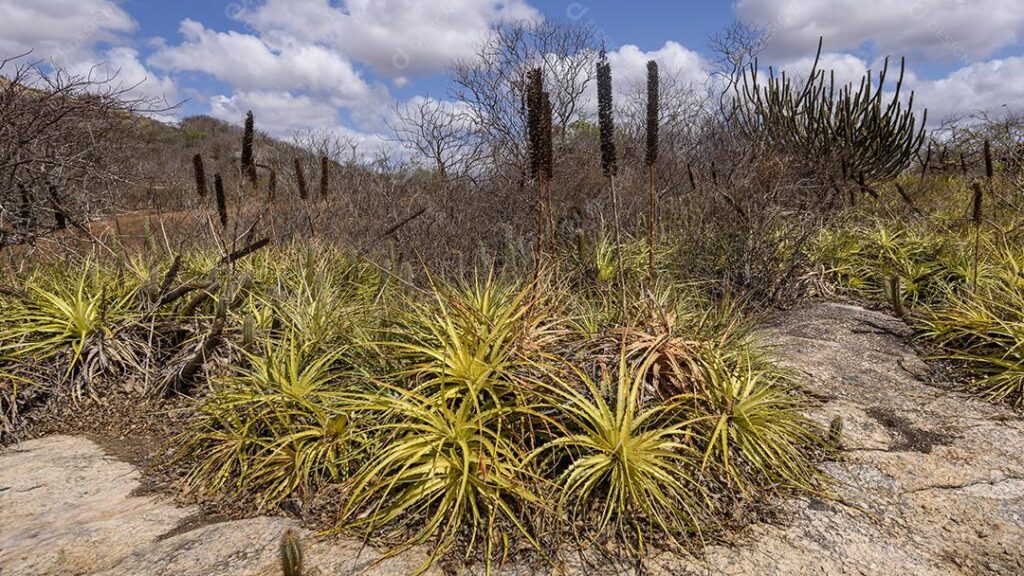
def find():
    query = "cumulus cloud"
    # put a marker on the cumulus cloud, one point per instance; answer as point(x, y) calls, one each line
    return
point(944, 30)
point(62, 30)
point(677, 65)
point(248, 63)
point(279, 112)
point(282, 114)
point(124, 68)
point(847, 68)
point(629, 65)
point(396, 37)
point(68, 32)
point(991, 86)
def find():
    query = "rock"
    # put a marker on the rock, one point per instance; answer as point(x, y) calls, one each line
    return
point(67, 508)
point(932, 484)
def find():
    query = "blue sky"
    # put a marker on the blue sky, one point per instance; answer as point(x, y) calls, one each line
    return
point(343, 64)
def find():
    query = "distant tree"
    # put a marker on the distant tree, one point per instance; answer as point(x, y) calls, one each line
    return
point(64, 142)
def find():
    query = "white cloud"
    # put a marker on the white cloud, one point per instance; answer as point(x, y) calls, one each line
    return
point(278, 113)
point(846, 67)
point(123, 66)
point(943, 30)
point(249, 64)
point(282, 114)
point(629, 65)
point(985, 86)
point(395, 37)
point(63, 30)
point(67, 33)
point(677, 65)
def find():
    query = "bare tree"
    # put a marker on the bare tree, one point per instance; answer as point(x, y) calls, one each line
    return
point(441, 133)
point(735, 49)
point(63, 144)
point(492, 83)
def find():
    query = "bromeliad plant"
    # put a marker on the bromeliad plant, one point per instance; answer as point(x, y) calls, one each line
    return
point(984, 332)
point(73, 322)
point(472, 339)
point(752, 428)
point(442, 467)
point(960, 287)
point(276, 425)
point(620, 463)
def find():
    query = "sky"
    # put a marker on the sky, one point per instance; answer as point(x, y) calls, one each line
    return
point(342, 65)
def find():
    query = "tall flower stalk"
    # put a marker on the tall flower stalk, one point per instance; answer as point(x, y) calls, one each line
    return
point(248, 160)
point(609, 164)
point(535, 110)
point(651, 159)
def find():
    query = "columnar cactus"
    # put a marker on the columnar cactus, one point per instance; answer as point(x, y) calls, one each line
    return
point(821, 120)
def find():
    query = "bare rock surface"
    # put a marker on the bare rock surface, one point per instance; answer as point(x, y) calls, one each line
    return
point(66, 508)
point(932, 483)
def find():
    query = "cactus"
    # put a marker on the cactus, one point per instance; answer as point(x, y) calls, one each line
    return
point(823, 121)
point(291, 554)
point(895, 294)
point(835, 431)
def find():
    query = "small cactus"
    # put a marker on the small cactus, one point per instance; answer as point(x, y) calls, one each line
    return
point(835, 431)
point(895, 294)
point(291, 554)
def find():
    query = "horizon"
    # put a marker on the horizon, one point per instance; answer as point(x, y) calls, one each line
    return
point(344, 65)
